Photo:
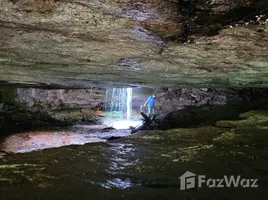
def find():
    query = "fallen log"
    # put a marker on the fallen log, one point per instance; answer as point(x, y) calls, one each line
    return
point(146, 123)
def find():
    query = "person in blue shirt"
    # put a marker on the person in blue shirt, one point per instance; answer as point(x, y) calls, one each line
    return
point(151, 104)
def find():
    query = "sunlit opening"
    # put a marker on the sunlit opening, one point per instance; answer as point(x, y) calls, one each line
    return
point(125, 124)
point(123, 107)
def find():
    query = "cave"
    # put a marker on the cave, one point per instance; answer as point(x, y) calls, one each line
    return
point(133, 99)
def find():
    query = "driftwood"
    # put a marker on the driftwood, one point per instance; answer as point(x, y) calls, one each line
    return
point(146, 124)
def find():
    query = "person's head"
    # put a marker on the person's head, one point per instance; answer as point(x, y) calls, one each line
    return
point(154, 96)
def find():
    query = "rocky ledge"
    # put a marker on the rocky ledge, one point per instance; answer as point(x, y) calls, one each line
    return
point(82, 43)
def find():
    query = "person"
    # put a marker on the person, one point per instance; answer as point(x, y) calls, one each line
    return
point(151, 104)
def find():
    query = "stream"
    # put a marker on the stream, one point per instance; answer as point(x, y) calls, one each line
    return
point(146, 165)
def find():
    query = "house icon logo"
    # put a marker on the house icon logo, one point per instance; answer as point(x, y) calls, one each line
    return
point(187, 180)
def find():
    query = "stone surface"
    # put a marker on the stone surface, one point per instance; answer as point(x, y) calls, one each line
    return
point(49, 100)
point(31, 108)
point(199, 107)
point(172, 99)
point(78, 44)
point(251, 118)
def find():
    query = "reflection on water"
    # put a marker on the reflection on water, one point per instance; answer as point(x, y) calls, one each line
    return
point(32, 141)
point(122, 157)
point(38, 140)
point(121, 124)
point(125, 124)
point(114, 183)
point(144, 166)
point(118, 158)
point(118, 183)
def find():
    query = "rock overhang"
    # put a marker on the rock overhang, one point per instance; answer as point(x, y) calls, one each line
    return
point(126, 44)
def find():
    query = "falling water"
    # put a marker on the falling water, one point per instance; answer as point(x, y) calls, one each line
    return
point(120, 100)
point(129, 102)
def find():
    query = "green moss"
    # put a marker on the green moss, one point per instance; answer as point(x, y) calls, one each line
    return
point(255, 135)
point(251, 118)
point(229, 138)
point(259, 114)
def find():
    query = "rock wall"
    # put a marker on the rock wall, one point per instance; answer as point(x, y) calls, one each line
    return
point(64, 104)
point(169, 100)
point(14, 118)
point(202, 107)
point(31, 108)
point(8, 95)
point(49, 100)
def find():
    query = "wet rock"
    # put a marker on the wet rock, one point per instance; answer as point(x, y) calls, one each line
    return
point(176, 99)
point(194, 107)
point(28, 108)
point(243, 136)
point(40, 6)
point(132, 166)
point(251, 118)
point(82, 44)
point(75, 115)
point(209, 17)
point(193, 116)
point(38, 140)
point(229, 139)
point(14, 117)
point(48, 100)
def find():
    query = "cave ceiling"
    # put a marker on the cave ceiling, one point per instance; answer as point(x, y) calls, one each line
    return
point(115, 43)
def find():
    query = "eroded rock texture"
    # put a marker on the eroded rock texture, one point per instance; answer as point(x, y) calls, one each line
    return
point(129, 42)
point(31, 108)
point(49, 100)
point(169, 100)
point(205, 106)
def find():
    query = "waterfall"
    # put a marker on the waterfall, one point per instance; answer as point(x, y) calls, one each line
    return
point(119, 100)
point(129, 102)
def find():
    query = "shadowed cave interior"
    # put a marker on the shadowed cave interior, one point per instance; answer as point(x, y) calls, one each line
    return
point(74, 78)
